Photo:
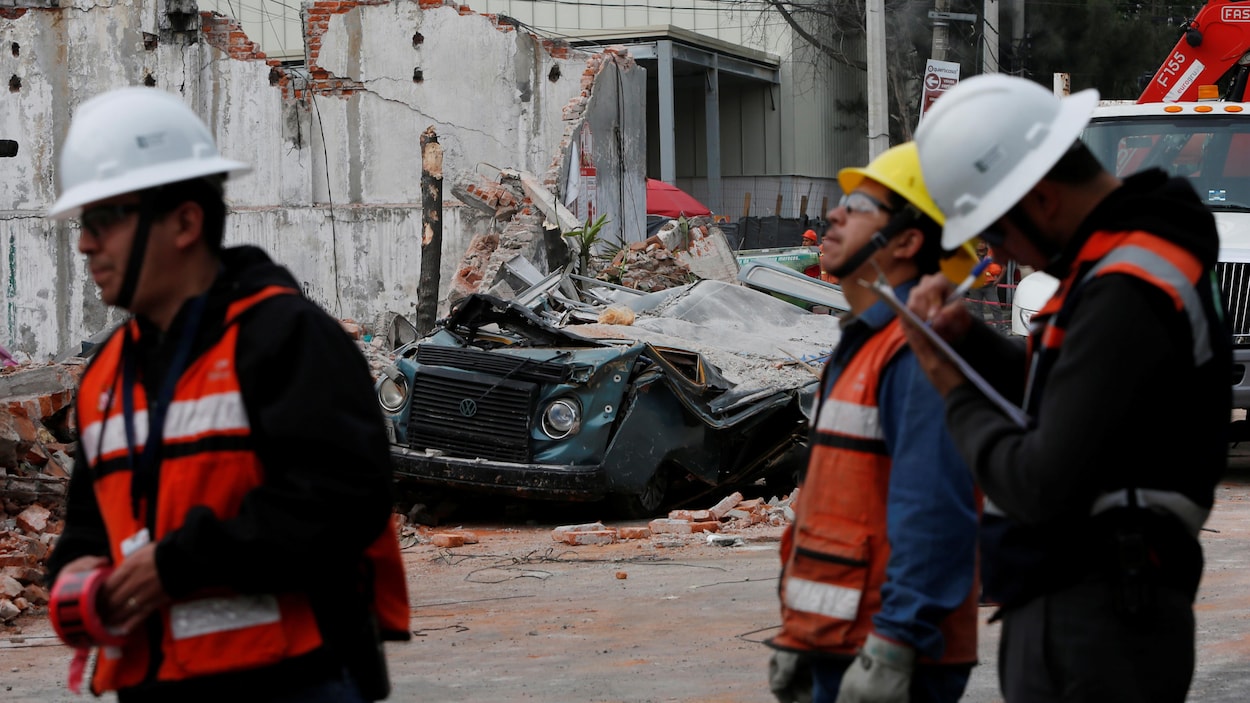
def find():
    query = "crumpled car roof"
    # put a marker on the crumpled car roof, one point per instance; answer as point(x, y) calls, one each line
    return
point(744, 333)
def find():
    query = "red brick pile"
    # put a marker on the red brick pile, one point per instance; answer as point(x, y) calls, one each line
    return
point(37, 445)
point(731, 513)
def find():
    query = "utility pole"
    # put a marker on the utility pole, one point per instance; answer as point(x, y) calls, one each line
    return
point(989, 37)
point(878, 105)
point(941, 31)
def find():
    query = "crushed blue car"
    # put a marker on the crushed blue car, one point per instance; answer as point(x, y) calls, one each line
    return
point(707, 387)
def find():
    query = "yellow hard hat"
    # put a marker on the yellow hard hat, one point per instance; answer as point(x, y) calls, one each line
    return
point(958, 264)
point(897, 168)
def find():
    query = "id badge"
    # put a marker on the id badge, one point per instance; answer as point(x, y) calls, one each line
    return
point(133, 543)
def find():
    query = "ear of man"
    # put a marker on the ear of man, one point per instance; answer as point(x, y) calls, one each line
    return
point(188, 219)
point(908, 243)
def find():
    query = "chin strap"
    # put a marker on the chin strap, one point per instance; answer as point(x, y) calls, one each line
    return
point(138, 248)
point(900, 221)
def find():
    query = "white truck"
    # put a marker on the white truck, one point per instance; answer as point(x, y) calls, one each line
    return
point(1207, 141)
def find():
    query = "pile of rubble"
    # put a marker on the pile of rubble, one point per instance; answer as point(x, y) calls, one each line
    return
point(733, 513)
point(37, 443)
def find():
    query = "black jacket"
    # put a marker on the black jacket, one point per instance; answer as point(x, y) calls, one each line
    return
point(318, 432)
point(1121, 406)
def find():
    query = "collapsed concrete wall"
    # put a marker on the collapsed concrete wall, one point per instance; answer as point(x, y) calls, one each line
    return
point(334, 143)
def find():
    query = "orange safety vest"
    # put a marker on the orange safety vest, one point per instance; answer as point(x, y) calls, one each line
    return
point(1149, 257)
point(205, 462)
point(835, 552)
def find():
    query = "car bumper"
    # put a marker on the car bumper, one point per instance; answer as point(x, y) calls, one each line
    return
point(542, 481)
point(1241, 378)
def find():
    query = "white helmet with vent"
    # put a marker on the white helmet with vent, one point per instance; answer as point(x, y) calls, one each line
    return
point(986, 142)
point(132, 139)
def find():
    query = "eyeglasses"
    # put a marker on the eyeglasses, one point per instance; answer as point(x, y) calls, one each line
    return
point(863, 203)
point(102, 217)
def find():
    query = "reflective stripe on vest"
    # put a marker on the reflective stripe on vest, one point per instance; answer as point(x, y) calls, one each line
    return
point(1191, 515)
point(1148, 265)
point(835, 553)
point(1145, 256)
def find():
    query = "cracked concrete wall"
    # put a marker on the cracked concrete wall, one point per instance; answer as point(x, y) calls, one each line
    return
point(334, 193)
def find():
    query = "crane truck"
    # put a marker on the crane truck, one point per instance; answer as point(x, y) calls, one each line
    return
point(1181, 124)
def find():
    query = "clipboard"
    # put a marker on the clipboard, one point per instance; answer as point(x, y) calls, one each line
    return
point(886, 292)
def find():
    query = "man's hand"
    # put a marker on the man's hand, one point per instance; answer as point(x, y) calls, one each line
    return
point(133, 591)
point(928, 301)
point(789, 677)
point(880, 674)
point(86, 563)
point(951, 322)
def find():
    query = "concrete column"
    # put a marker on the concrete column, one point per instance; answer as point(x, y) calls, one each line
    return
point(989, 37)
point(668, 130)
point(941, 32)
point(711, 116)
point(878, 100)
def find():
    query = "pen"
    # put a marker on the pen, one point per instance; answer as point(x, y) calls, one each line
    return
point(968, 282)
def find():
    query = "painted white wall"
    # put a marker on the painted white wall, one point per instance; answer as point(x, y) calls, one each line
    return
point(357, 158)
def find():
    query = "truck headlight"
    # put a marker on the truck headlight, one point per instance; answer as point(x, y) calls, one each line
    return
point(561, 418)
point(392, 390)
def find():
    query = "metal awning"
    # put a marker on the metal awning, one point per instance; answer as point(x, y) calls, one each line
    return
point(679, 52)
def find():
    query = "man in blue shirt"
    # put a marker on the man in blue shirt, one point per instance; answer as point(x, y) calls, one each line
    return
point(879, 587)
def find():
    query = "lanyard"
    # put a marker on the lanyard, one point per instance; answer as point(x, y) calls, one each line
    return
point(145, 472)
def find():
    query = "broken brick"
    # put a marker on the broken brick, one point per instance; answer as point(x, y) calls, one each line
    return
point(671, 527)
point(725, 505)
point(588, 537)
point(633, 532)
point(35, 593)
point(447, 540)
point(558, 533)
point(692, 515)
point(33, 519)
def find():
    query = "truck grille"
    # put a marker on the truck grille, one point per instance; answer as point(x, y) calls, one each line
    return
point(1235, 282)
point(471, 415)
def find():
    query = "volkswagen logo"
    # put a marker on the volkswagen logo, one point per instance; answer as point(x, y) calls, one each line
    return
point(468, 407)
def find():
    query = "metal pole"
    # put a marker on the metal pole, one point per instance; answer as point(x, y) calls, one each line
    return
point(668, 131)
point(989, 37)
point(878, 100)
point(941, 32)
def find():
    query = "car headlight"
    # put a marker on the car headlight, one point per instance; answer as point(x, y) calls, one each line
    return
point(1025, 316)
point(392, 390)
point(561, 418)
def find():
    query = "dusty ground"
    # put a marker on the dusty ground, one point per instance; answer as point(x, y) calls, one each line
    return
point(519, 617)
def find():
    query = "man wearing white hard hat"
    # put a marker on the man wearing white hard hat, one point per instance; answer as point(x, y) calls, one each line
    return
point(219, 428)
point(1094, 505)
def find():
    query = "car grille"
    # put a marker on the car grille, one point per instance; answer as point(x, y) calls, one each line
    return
point(1235, 282)
point(471, 415)
point(506, 365)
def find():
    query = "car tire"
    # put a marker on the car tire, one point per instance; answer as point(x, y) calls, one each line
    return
point(649, 502)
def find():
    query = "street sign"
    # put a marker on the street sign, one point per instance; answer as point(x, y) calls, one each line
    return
point(939, 77)
point(957, 16)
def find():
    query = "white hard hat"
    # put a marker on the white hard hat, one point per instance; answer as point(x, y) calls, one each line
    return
point(986, 142)
point(132, 139)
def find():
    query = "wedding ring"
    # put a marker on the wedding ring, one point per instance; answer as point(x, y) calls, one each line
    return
point(132, 603)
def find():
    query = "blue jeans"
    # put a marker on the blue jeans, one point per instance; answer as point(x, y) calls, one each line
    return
point(929, 683)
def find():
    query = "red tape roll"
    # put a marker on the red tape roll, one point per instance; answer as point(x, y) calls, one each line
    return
point(74, 609)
